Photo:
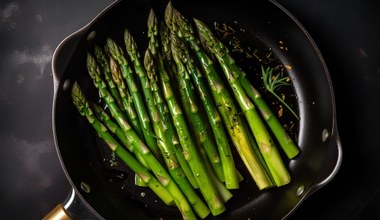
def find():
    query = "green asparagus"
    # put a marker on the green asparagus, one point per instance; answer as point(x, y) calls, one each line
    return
point(266, 145)
point(287, 144)
point(105, 67)
point(196, 119)
point(103, 116)
point(213, 116)
point(125, 96)
point(163, 110)
point(224, 102)
point(171, 118)
point(115, 129)
point(84, 109)
point(167, 149)
point(160, 172)
point(138, 100)
point(190, 149)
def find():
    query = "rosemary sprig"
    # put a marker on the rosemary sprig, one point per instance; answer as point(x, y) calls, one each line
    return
point(274, 82)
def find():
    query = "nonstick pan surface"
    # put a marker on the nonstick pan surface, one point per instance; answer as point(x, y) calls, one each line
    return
point(106, 186)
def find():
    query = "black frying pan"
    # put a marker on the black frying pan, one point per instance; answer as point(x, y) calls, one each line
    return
point(107, 191)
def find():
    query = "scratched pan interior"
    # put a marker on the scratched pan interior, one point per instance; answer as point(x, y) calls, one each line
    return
point(108, 187)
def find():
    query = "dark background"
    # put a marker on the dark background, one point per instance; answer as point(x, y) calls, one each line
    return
point(32, 181)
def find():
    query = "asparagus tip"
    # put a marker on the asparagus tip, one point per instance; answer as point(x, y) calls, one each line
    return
point(169, 14)
point(111, 44)
point(78, 97)
point(152, 19)
point(148, 60)
point(131, 45)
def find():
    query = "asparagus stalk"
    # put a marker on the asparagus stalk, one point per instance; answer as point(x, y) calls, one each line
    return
point(166, 49)
point(82, 105)
point(159, 100)
point(116, 130)
point(167, 149)
point(117, 78)
point(190, 151)
point(138, 100)
point(266, 145)
point(160, 172)
point(192, 109)
point(224, 101)
point(287, 144)
point(115, 92)
point(213, 116)
point(104, 65)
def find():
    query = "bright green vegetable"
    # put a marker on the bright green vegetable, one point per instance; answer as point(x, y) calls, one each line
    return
point(84, 109)
point(224, 101)
point(159, 100)
point(193, 111)
point(266, 145)
point(125, 96)
point(138, 99)
point(214, 119)
point(287, 144)
point(190, 148)
point(105, 68)
point(160, 172)
point(169, 155)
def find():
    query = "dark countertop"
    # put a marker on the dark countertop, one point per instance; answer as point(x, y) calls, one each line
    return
point(32, 181)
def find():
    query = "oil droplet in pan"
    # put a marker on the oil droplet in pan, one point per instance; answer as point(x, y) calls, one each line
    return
point(85, 187)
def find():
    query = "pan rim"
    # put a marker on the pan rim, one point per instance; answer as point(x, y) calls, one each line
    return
point(315, 48)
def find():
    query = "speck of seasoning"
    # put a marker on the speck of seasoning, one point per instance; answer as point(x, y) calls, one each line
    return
point(288, 67)
point(142, 194)
point(280, 111)
point(283, 96)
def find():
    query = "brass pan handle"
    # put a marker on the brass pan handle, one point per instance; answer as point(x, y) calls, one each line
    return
point(58, 213)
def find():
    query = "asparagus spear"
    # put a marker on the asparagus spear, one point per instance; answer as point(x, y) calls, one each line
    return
point(125, 96)
point(167, 149)
point(266, 145)
point(159, 100)
point(287, 144)
point(119, 91)
point(189, 147)
point(115, 129)
point(192, 109)
point(104, 65)
point(138, 100)
point(213, 116)
point(160, 172)
point(167, 62)
point(224, 101)
point(82, 105)
point(166, 50)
